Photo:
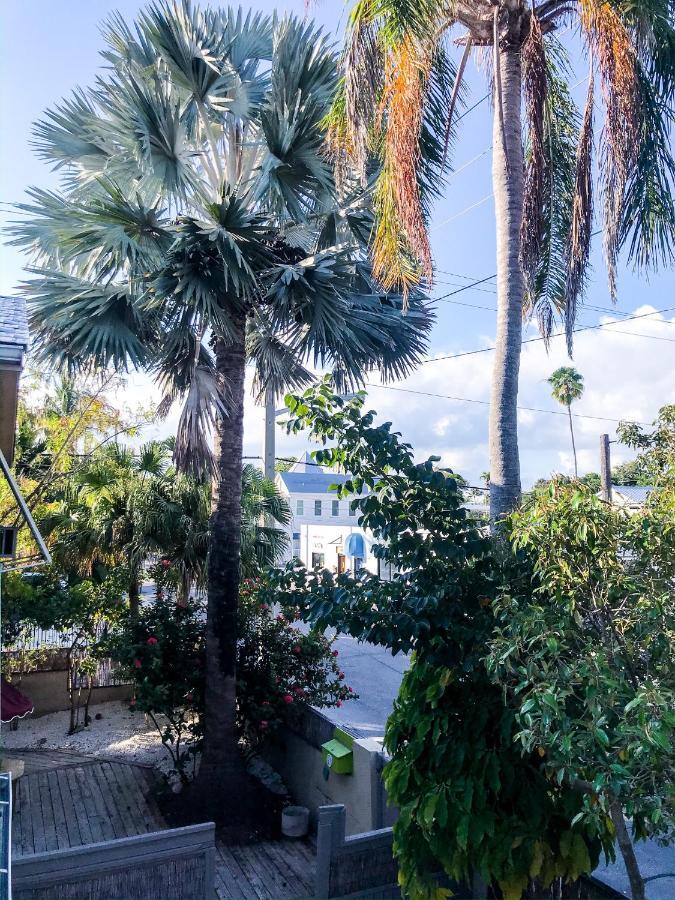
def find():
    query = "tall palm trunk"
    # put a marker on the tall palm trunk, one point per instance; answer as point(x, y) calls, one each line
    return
point(507, 179)
point(221, 759)
point(574, 448)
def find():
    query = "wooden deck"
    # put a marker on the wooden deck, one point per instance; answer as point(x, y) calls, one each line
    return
point(67, 799)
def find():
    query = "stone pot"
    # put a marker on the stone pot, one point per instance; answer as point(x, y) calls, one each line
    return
point(294, 821)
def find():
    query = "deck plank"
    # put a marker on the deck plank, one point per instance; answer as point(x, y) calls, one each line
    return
point(250, 883)
point(62, 838)
point(108, 795)
point(86, 831)
point(130, 799)
point(51, 842)
point(23, 796)
point(228, 883)
point(286, 881)
point(286, 857)
point(39, 842)
point(72, 824)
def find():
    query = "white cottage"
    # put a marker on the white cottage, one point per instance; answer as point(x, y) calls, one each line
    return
point(324, 530)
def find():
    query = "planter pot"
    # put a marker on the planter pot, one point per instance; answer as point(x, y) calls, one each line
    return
point(294, 821)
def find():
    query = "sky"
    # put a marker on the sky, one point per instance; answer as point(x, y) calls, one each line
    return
point(46, 49)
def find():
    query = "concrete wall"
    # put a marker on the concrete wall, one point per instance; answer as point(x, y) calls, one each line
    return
point(49, 694)
point(296, 756)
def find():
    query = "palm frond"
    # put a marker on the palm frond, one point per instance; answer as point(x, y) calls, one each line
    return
point(535, 88)
point(579, 247)
point(75, 322)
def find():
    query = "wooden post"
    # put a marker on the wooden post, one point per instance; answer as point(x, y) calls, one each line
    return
point(605, 469)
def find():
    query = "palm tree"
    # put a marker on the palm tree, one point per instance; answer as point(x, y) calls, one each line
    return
point(199, 228)
point(567, 386)
point(399, 96)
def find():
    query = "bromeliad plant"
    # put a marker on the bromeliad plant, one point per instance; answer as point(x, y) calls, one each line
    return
point(470, 800)
point(198, 228)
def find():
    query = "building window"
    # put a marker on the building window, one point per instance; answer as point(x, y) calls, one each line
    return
point(317, 507)
point(336, 508)
point(358, 564)
point(300, 507)
point(317, 558)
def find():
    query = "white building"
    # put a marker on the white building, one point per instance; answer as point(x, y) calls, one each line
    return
point(324, 530)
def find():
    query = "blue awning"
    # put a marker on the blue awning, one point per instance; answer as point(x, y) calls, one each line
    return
point(355, 546)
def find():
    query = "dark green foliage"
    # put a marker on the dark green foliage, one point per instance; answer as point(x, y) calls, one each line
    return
point(469, 799)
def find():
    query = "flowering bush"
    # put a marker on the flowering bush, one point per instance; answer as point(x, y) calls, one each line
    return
point(279, 668)
point(162, 649)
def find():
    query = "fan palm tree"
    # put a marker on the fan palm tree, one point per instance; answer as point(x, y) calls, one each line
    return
point(395, 69)
point(198, 228)
point(567, 386)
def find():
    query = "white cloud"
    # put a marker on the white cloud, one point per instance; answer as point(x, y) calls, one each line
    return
point(626, 377)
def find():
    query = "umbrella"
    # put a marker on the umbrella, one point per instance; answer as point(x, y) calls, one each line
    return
point(13, 704)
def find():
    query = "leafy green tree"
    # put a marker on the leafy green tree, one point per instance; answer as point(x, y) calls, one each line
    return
point(584, 645)
point(469, 799)
point(567, 386)
point(199, 228)
point(398, 98)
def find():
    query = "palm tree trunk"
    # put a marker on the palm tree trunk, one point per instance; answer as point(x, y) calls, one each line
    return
point(221, 760)
point(134, 594)
point(507, 181)
point(574, 449)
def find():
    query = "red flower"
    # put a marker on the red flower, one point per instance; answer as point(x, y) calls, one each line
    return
point(281, 618)
point(263, 724)
point(132, 702)
point(334, 653)
point(151, 641)
point(298, 689)
point(264, 607)
point(350, 689)
point(166, 563)
point(341, 676)
point(297, 649)
point(339, 703)
point(138, 663)
point(288, 698)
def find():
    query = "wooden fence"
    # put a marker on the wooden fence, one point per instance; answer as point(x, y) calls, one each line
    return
point(362, 864)
point(178, 864)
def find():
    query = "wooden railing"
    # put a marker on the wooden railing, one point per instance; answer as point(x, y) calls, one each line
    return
point(178, 864)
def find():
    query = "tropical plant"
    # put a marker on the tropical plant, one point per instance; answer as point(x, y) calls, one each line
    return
point(394, 100)
point(584, 646)
point(198, 227)
point(263, 510)
point(567, 386)
point(470, 800)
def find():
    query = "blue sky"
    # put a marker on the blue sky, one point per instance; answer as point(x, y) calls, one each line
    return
point(46, 49)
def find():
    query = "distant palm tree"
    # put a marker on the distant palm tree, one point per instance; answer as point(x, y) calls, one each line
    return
point(400, 96)
point(568, 386)
point(199, 228)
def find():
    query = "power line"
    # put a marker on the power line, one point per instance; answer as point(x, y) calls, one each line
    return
point(551, 412)
point(558, 334)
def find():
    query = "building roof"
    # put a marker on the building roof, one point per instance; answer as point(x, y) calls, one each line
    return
point(13, 322)
point(317, 482)
point(631, 494)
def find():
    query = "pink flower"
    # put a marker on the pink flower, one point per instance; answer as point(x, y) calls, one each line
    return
point(138, 663)
point(298, 690)
point(263, 724)
point(297, 649)
point(339, 703)
point(166, 563)
point(132, 702)
point(264, 607)
point(281, 618)
point(334, 653)
point(288, 698)
point(350, 689)
point(151, 641)
point(341, 676)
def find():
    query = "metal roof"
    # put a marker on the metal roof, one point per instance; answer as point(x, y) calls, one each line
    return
point(13, 322)
point(310, 482)
point(633, 494)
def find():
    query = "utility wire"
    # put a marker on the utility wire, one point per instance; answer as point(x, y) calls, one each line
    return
point(538, 339)
point(550, 412)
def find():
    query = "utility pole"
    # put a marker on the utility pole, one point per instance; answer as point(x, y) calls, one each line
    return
point(268, 439)
point(605, 469)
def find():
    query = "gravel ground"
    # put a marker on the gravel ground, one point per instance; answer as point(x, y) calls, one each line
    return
point(120, 734)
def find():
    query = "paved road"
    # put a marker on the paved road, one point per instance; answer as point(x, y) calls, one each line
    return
point(375, 676)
